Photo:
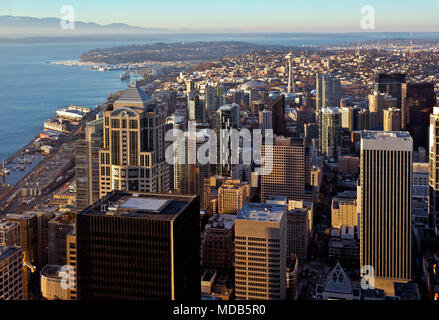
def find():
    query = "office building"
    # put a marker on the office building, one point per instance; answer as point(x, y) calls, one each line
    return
point(330, 132)
point(277, 109)
point(433, 207)
point(328, 92)
point(71, 257)
point(29, 242)
point(191, 171)
point(52, 277)
point(392, 119)
point(91, 141)
point(227, 118)
point(418, 102)
point(232, 195)
point(197, 110)
point(349, 117)
point(11, 273)
point(9, 233)
point(297, 234)
point(344, 212)
point(261, 252)
point(385, 201)
point(218, 247)
point(139, 247)
point(133, 157)
point(287, 175)
point(59, 227)
point(265, 120)
point(391, 84)
point(377, 104)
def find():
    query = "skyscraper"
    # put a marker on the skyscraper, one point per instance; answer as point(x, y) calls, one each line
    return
point(287, 177)
point(11, 273)
point(133, 157)
point(297, 234)
point(391, 84)
point(330, 132)
point(59, 227)
point(265, 120)
point(232, 195)
point(227, 117)
point(139, 247)
point(277, 109)
point(29, 243)
point(218, 247)
point(197, 110)
point(328, 92)
point(385, 201)
point(191, 171)
point(433, 208)
point(91, 141)
point(9, 233)
point(418, 101)
point(376, 107)
point(392, 119)
point(261, 252)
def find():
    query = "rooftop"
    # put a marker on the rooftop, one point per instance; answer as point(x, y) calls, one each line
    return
point(140, 205)
point(387, 141)
point(6, 251)
point(134, 95)
point(261, 212)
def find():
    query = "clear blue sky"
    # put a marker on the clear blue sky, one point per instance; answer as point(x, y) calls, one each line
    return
point(244, 15)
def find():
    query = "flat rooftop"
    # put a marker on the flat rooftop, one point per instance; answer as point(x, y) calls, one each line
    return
point(261, 212)
point(140, 205)
point(385, 135)
point(388, 141)
point(6, 251)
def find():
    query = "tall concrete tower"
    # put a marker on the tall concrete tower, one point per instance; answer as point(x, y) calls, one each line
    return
point(289, 57)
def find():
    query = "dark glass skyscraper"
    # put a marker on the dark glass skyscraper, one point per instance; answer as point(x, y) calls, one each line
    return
point(278, 110)
point(87, 163)
point(417, 106)
point(391, 84)
point(139, 247)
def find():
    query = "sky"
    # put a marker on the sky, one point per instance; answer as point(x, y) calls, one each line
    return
point(241, 15)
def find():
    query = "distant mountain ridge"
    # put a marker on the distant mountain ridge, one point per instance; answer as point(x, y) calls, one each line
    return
point(37, 26)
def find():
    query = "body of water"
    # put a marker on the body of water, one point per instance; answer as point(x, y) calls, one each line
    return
point(31, 90)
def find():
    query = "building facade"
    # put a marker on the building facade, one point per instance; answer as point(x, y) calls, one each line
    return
point(386, 204)
point(261, 252)
point(139, 247)
point(133, 157)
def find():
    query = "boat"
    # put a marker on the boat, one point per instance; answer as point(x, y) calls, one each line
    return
point(4, 171)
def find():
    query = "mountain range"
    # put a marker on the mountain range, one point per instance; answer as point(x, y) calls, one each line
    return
point(29, 26)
